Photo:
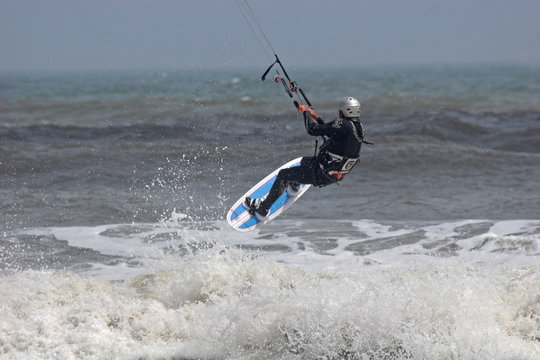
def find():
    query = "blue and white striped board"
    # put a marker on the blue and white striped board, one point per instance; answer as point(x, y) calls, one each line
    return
point(240, 219)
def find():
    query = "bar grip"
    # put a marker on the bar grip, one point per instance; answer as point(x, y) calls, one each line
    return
point(267, 71)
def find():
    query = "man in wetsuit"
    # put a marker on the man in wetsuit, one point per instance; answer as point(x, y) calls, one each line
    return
point(337, 156)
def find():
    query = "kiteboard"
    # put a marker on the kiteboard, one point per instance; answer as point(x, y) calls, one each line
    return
point(240, 218)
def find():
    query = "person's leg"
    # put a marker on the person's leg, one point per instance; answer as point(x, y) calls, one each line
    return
point(302, 174)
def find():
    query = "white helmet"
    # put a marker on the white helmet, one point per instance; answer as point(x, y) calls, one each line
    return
point(350, 107)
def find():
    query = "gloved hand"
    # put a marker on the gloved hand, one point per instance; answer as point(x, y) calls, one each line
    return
point(312, 112)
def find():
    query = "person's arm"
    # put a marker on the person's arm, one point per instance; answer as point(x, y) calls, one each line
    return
point(318, 128)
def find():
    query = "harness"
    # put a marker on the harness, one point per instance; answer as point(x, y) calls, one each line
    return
point(335, 166)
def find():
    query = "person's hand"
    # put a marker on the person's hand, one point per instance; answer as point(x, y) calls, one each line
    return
point(312, 112)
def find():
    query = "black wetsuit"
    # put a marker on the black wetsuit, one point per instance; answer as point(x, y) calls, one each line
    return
point(337, 156)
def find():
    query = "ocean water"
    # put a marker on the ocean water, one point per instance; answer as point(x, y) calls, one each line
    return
point(115, 186)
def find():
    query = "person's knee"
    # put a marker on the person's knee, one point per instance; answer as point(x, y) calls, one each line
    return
point(283, 174)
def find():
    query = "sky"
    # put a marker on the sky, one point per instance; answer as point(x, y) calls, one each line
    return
point(56, 35)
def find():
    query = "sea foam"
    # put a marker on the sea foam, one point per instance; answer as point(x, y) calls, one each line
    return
point(222, 302)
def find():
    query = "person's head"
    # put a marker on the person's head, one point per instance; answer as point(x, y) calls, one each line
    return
point(349, 107)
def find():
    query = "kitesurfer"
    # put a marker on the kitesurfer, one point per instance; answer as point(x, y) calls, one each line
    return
point(336, 157)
